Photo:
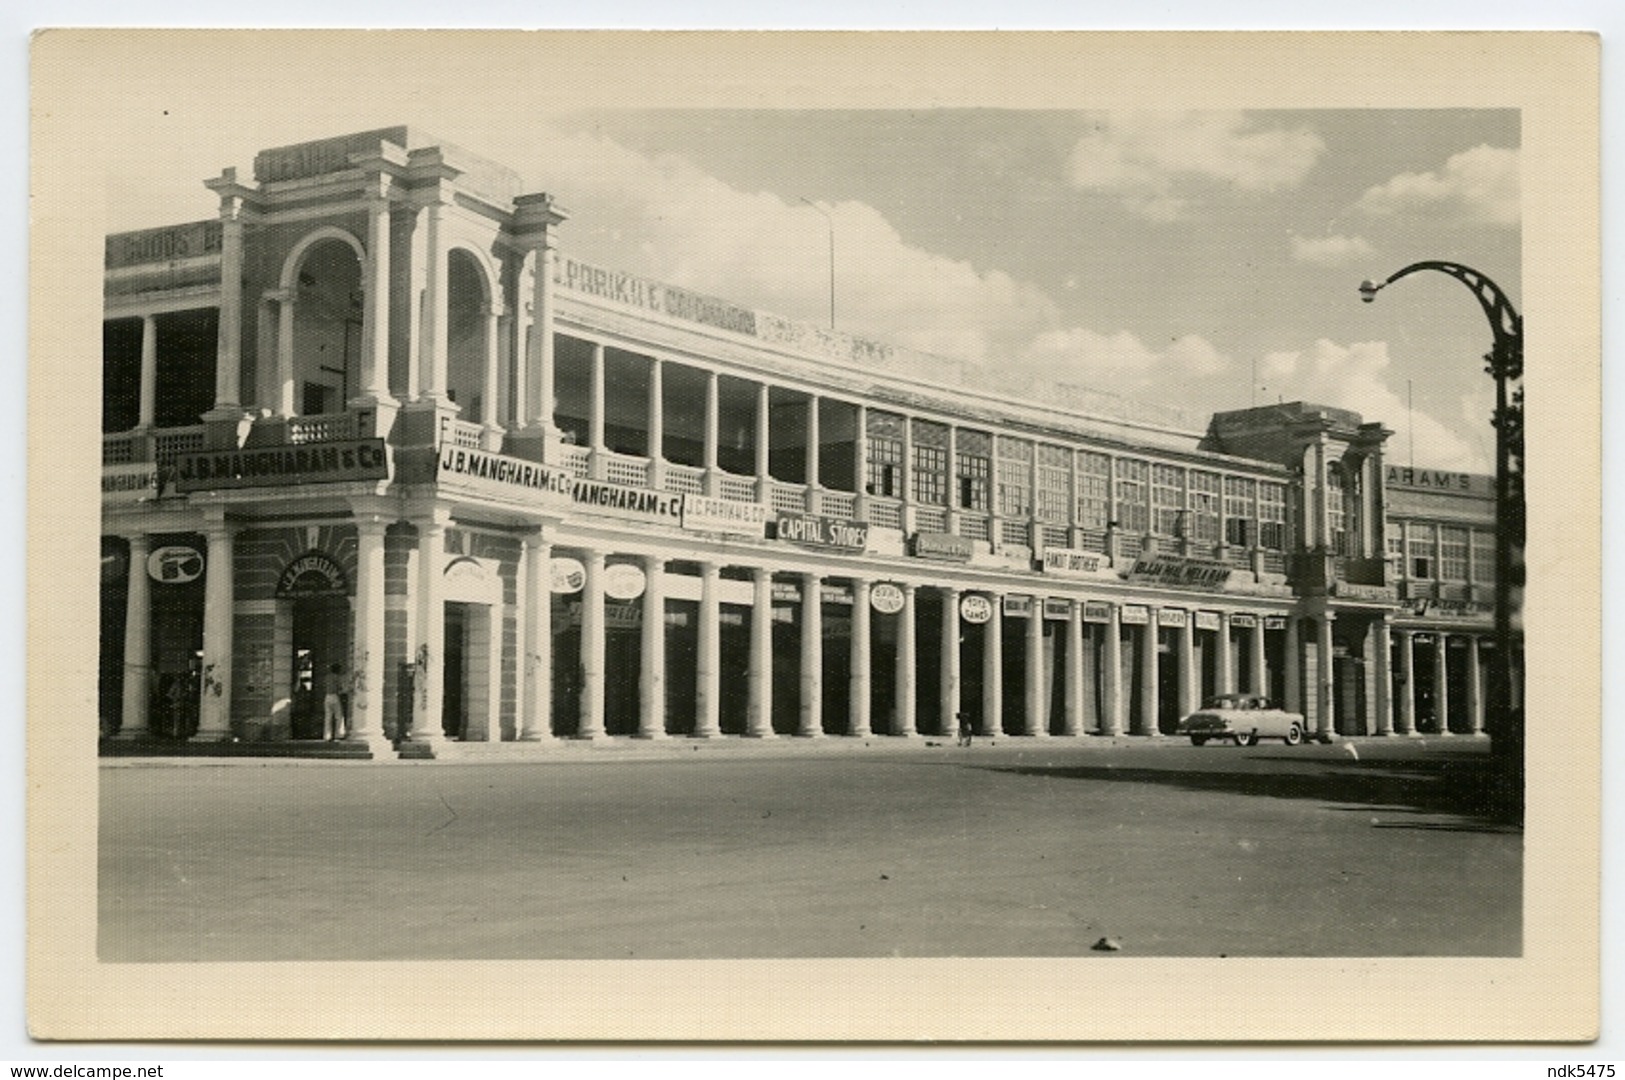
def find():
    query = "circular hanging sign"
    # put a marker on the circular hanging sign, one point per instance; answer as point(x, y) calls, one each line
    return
point(975, 608)
point(886, 598)
point(623, 581)
point(568, 575)
point(175, 564)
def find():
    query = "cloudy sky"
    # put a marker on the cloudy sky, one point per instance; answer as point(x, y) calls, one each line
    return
point(1205, 259)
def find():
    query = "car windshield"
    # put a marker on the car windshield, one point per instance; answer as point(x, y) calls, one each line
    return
point(1229, 701)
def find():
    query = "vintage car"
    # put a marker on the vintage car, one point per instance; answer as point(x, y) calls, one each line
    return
point(1246, 718)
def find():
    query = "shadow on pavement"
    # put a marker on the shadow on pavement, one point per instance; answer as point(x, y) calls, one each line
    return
point(1459, 786)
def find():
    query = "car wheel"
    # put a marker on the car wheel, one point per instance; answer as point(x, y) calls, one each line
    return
point(1198, 740)
point(1246, 738)
point(1294, 735)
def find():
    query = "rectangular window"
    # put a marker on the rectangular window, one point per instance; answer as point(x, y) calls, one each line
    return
point(1453, 553)
point(930, 475)
point(972, 464)
point(1015, 477)
point(1272, 516)
point(883, 471)
point(1094, 489)
point(1420, 541)
point(1203, 504)
point(1054, 484)
point(1483, 555)
point(1396, 549)
point(1337, 509)
point(1167, 500)
point(1133, 505)
point(1240, 495)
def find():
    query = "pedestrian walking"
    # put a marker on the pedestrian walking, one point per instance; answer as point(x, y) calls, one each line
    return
point(334, 724)
point(965, 731)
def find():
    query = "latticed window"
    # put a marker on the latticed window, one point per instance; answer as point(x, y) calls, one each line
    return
point(1054, 483)
point(1133, 495)
point(1395, 537)
point(1203, 503)
point(930, 475)
point(1272, 516)
point(1240, 495)
point(1094, 489)
point(1483, 555)
point(1015, 477)
point(972, 464)
point(883, 472)
point(1419, 540)
point(1167, 499)
point(1337, 510)
point(1452, 553)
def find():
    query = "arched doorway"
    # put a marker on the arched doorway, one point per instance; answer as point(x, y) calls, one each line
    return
point(327, 317)
point(314, 606)
point(468, 340)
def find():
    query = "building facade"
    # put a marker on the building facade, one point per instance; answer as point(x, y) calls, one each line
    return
point(376, 416)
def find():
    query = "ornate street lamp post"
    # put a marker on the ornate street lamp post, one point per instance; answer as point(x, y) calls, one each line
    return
point(1504, 364)
point(830, 218)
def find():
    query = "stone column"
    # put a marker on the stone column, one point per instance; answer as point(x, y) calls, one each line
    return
point(1259, 682)
point(949, 694)
point(652, 673)
point(592, 648)
point(1037, 718)
point(148, 413)
point(1224, 659)
point(1111, 723)
point(993, 669)
point(1407, 682)
point(367, 701)
point(1381, 629)
point(764, 480)
point(1325, 678)
point(1073, 721)
point(907, 707)
point(708, 701)
point(1188, 675)
point(1294, 666)
point(133, 722)
point(535, 218)
point(597, 464)
point(214, 712)
point(712, 479)
point(1441, 683)
point(375, 328)
point(492, 314)
point(858, 696)
point(432, 349)
point(814, 503)
point(860, 463)
point(285, 404)
point(536, 698)
point(1148, 675)
point(657, 423)
point(1475, 688)
point(759, 709)
point(429, 687)
point(228, 346)
point(812, 656)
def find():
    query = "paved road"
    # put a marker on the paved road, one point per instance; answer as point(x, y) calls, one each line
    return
point(856, 848)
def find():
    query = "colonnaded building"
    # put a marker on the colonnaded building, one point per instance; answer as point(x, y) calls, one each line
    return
point(375, 415)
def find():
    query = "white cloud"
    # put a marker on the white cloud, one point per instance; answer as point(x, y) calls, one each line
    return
point(1477, 186)
point(1079, 354)
point(1145, 156)
point(1356, 377)
point(1330, 250)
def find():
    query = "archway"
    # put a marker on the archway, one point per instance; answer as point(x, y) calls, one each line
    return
point(327, 314)
point(468, 338)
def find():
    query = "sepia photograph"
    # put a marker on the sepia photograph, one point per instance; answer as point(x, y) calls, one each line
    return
point(656, 528)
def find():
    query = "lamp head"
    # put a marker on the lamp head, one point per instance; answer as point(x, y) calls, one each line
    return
point(1368, 290)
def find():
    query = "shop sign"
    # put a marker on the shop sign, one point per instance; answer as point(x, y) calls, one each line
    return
point(886, 598)
point(1057, 609)
point(1018, 607)
point(1097, 611)
point(282, 466)
point(1207, 620)
point(1378, 593)
point(786, 592)
point(467, 568)
point(500, 474)
point(1245, 622)
point(1178, 570)
point(616, 616)
point(1432, 479)
point(129, 483)
point(975, 608)
point(1171, 616)
point(1422, 639)
point(1459, 608)
point(569, 576)
point(703, 513)
point(641, 503)
point(835, 594)
point(822, 532)
point(312, 574)
point(1135, 615)
point(175, 564)
point(1275, 622)
point(1070, 561)
point(163, 245)
point(633, 291)
point(624, 581)
point(945, 546)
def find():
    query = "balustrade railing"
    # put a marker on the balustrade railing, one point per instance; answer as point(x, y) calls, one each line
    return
point(330, 427)
point(688, 479)
point(1013, 532)
point(573, 459)
point(737, 488)
point(931, 519)
point(841, 504)
point(1092, 540)
point(625, 469)
point(1273, 562)
point(973, 526)
point(886, 513)
point(118, 449)
point(789, 498)
point(169, 443)
point(1059, 536)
